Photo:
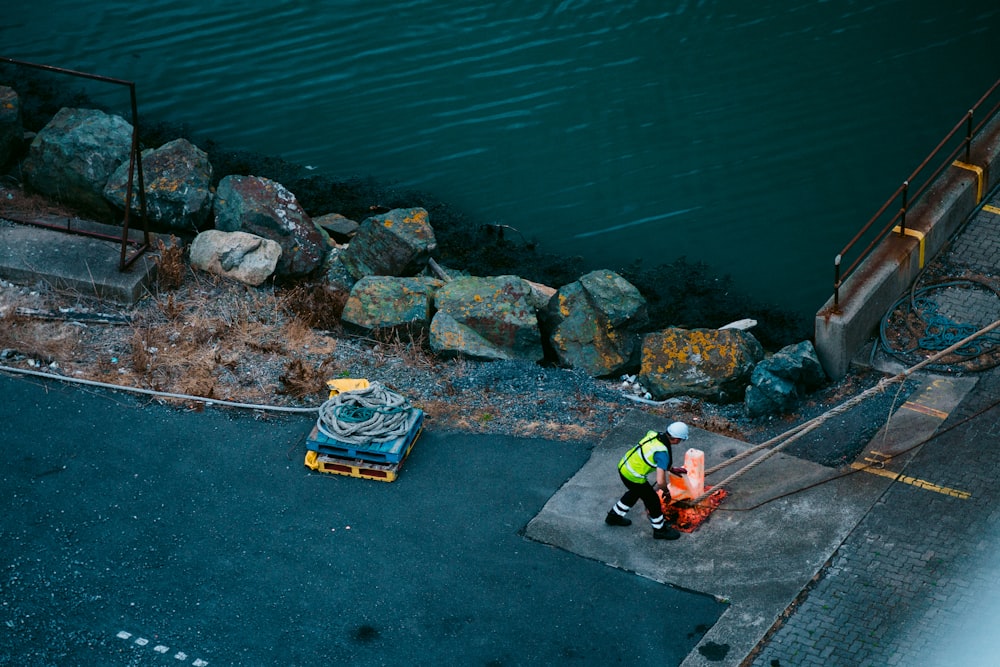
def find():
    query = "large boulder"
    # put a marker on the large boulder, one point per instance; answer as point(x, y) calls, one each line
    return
point(11, 127)
point(768, 394)
point(397, 243)
point(378, 302)
point(178, 180)
point(778, 382)
point(263, 207)
point(72, 157)
point(593, 323)
point(238, 255)
point(486, 318)
point(714, 364)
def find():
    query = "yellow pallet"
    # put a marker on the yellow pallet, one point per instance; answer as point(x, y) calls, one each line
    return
point(380, 472)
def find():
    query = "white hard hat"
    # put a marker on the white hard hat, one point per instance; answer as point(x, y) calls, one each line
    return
point(678, 430)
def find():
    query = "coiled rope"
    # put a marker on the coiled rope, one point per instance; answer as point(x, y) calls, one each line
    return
point(802, 429)
point(938, 331)
point(372, 414)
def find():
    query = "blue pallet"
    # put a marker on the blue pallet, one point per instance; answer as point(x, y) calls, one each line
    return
point(392, 451)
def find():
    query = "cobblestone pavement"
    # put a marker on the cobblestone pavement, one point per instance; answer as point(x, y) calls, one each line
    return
point(917, 582)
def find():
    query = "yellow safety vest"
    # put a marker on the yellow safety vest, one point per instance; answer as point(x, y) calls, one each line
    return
point(638, 461)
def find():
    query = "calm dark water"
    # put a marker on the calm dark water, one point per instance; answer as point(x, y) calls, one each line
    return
point(757, 137)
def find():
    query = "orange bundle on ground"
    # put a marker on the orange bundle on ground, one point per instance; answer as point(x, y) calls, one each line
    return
point(689, 519)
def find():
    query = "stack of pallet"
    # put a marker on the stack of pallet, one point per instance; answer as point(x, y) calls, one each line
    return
point(370, 460)
point(376, 460)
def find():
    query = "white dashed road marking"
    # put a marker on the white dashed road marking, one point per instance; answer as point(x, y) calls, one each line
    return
point(160, 648)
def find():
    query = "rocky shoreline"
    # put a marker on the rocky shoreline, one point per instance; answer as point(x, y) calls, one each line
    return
point(537, 398)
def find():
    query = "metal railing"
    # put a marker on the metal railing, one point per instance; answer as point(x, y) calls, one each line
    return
point(907, 196)
point(134, 170)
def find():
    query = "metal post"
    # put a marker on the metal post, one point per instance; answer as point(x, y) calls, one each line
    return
point(836, 283)
point(135, 166)
point(902, 211)
point(968, 139)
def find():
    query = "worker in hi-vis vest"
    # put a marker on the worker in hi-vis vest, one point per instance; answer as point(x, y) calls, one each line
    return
point(652, 452)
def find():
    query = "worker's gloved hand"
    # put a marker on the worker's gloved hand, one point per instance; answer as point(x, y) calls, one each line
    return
point(679, 471)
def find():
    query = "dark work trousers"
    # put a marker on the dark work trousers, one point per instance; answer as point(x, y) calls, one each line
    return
point(646, 492)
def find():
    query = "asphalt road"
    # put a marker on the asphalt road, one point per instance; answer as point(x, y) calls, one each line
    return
point(138, 534)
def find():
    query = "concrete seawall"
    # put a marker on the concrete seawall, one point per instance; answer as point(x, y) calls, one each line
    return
point(886, 274)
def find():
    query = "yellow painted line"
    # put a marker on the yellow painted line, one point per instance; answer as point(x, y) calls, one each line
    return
point(979, 176)
point(925, 410)
point(992, 209)
point(919, 235)
point(913, 481)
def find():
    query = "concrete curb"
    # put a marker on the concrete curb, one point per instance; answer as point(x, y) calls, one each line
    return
point(83, 264)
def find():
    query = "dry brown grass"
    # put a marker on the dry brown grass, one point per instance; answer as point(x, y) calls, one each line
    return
point(20, 205)
point(170, 308)
point(214, 338)
point(296, 334)
point(40, 340)
point(318, 306)
point(447, 412)
point(408, 343)
point(301, 380)
point(170, 266)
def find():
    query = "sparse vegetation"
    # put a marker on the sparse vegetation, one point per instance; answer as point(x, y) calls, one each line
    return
point(170, 267)
point(315, 305)
point(302, 381)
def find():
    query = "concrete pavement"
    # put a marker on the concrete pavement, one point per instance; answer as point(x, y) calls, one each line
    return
point(765, 544)
point(69, 261)
point(757, 557)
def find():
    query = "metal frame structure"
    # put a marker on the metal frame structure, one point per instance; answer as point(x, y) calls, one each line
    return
point(134, 171)
point(898, 221)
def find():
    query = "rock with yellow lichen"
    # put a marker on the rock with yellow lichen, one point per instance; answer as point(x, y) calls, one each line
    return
point(380, 302)
point(397, 243)
point(593, 323)
point(714, 364)
point(486, 318)
point(178, 185)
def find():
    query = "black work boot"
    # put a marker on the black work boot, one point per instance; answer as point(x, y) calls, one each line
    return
point(665, 533)
point(615, 519)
